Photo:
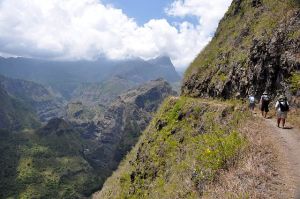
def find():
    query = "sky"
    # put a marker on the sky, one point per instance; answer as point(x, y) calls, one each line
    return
point(118, 29)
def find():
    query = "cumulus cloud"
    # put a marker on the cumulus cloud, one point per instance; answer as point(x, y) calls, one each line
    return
point(208, 12)
point(85, 29)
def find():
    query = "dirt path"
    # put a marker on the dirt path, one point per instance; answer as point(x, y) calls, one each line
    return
point(288, 142)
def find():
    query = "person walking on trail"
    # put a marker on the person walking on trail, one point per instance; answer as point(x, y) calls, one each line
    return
point(264, 104)
point(282, 108)
point(251, 102)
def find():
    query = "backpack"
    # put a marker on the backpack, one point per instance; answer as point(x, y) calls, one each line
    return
point(284, 106)
point(252, 99)
point(266, 98)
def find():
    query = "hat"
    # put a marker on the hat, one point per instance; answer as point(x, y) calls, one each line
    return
point(265, 93)
point(281, 97)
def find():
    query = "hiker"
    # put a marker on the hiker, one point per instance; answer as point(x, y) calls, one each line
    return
point(251, 102)
point(264, 104)
point(282, 107)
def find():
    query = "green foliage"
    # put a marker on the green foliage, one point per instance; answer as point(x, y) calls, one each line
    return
point(295, 82)
point(240, 25)
point(177, 159)
point(14, 114)
point(45, 166)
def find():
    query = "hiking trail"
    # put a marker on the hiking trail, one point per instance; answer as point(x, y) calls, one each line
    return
point(287, 141)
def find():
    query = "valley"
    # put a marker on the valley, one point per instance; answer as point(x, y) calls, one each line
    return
point(134, 128)
point(58, 145)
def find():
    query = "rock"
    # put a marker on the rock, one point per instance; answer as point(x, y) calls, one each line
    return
point(268, 63)
point(160, 124)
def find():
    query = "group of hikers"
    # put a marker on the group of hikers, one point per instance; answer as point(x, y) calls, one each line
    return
point(281, 106)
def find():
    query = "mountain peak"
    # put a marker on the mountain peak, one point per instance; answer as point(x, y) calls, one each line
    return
point(162, 61)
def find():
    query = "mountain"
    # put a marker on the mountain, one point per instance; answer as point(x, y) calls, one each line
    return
point(14, 114)
point(118, 126)
point(45, 103)
point(185, 146)
point(66, 76)
point(103, 92)
point(255, 48)
point(71, 157)
point(46, 163)
point(196, 142)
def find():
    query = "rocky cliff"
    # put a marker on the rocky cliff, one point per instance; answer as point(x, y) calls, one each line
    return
point(255, 48)
point(192, 140)
point(72, 157)
point(117, 127)
point(187, 143)
point(102, 93)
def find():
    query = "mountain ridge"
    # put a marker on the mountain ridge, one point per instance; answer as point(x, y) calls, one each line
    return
point(66, 76)
point(206, 133)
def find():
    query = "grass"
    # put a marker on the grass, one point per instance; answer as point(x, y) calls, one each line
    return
point(202, 149)
point(256, 174)
point(295, 82)
point(234, 37)
point(48, 166)
point(196, 140)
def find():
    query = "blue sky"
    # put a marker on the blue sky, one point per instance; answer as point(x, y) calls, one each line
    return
point(88, 29)
point(142, 10)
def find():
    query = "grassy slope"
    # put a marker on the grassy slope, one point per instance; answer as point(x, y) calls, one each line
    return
point(47, 166)
point(233, 39)
point(199, 139)
point(184, 156)
point(14, 114)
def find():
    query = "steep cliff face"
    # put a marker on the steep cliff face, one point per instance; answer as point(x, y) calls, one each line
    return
point(102, 93)
point(114, 129)
point(190, 140)
point(256, 48)
point(117, 127)
point(182, 150)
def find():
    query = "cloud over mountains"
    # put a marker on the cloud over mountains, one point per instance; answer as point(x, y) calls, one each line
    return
point(86, 29)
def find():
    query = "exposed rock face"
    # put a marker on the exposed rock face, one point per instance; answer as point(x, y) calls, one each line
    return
point(262, 56)
point(115, 129)
point(120, 126)
point(271, 63)
point(103, 92)
point(56, 125)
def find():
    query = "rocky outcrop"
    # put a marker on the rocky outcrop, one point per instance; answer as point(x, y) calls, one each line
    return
point(103, 92)
point(115, 129)
point(120, 126)
point(57, 126)
point(261, 56)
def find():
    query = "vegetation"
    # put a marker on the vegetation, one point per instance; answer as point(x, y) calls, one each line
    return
point(45, 166)
point(295, 82)
point(230, 46)
point(185, 147)
point(14, 114)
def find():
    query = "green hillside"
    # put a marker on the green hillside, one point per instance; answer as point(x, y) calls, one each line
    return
point(194, 138)
point(14, 114)
point(255, 48)
point(48, 163)
point(186, 145)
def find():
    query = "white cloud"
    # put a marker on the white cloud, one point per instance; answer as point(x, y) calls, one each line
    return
point(208, 12)
point(84, 29)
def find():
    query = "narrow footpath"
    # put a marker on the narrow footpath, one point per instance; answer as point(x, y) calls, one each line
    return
point(287, 141)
